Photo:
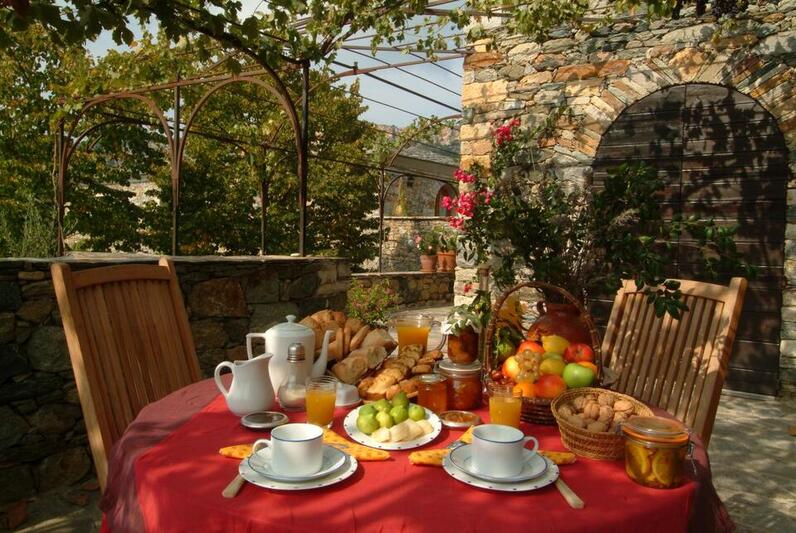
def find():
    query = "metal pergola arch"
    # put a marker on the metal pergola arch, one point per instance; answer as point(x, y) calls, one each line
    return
point(69, 139)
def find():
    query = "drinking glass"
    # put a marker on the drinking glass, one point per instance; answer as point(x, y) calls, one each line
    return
point(505, 405)
point(320, 400)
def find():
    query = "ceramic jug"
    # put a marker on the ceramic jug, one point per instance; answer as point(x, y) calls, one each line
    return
point(251, 390)
point(279, 338)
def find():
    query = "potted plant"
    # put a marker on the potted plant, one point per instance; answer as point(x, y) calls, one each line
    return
point(427, 244)
point(446, 253)
point(528, 222)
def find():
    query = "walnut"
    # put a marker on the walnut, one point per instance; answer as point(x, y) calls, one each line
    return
point(606, 398)
point(597, 427)
point(591, 397)
point(578, 402)
point(606, 414)
point(619, 417)
point(591, 410)
point(623, 406)
point(565, 411)
point(577, 421)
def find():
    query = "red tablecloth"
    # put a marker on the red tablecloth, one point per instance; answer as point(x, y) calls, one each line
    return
point(175, 485)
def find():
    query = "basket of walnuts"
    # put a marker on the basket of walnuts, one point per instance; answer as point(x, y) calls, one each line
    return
point(588, 419)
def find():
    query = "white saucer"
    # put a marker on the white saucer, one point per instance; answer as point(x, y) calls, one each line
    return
point(344, 472)
point(549, 476)
point(534, 465)
point(261, 462)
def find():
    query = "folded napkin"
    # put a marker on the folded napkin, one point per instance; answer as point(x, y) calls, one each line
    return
point(359, 452)
point(435, 457)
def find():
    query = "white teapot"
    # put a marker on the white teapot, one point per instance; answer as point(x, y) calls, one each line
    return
point(279, 338)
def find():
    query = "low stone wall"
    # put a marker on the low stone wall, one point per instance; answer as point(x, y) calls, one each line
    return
point(415, 289)
point(43, 443)
point(399, 253)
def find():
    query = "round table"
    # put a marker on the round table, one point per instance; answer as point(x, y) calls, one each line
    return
point(165, 474)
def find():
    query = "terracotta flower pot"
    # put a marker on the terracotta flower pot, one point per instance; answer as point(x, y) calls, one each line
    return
point(463, 348)
point(446, 261)
point(428, 263)
point(560, 319)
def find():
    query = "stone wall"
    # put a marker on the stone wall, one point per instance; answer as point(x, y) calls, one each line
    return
point(421, 195)
point(596, 74)
point(415, 289)
point(399, 253)
point(43, 442)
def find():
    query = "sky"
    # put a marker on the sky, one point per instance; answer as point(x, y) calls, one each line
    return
point(446, 90)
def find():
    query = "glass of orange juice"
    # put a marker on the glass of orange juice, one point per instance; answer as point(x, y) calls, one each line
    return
point(505, 405)
point(320, 400)
point(414, 328)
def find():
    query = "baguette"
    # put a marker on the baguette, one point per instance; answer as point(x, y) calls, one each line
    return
point(339, 317)
point(316, 328)
point(350, 369)
point(380, 337)
point(359, 336)
point(354, 324)
point(346, 342)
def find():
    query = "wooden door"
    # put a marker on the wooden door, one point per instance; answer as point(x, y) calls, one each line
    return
point(721, 156)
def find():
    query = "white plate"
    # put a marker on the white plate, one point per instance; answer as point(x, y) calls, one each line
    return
point(550, 475)
point(534, 465)
point(262, 463)
point(343, 473)
point(350, 426)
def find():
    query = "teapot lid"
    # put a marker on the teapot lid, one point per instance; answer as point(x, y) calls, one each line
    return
point(290, 328)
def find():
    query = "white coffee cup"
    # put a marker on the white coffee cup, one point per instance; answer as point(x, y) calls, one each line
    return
point(497, 450)
point(296, 449)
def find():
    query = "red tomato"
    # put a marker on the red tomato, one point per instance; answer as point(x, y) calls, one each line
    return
point(530, 345)
point(549, 386)
point(575, 353)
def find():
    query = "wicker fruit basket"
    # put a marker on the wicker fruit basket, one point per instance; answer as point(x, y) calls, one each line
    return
point(603, 445)
point(537, 410)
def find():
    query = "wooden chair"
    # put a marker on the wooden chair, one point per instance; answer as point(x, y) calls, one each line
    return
point(129, 341)
point(677, 365)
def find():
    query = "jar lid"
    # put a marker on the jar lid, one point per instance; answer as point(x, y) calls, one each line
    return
point(656, 429)
point(446, 366)
point(430, 378)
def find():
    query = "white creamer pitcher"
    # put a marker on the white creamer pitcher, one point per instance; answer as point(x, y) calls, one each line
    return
point(251, 390)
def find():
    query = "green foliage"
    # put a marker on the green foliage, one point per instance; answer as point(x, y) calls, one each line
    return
point(36, 236)
point(427, 242)
point(586, 240)
point(371, 304)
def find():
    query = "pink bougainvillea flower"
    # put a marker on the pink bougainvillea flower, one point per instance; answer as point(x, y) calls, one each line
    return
point(448, 202)
point(463, 176)
point(486, 194)
point(468, 287)
point(456, 222)
point(417, 239)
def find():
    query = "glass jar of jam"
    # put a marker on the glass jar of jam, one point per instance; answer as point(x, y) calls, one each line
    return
point(655, 451)
point(464, 384)
point(432, 392)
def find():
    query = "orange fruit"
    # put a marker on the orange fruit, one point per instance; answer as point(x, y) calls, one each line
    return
point(590, 366)
point(531, 346)
point(511, 367)
point(525, 388)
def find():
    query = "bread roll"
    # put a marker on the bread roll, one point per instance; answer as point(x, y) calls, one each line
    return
point(339, 317)
point(380, 337)
point(350, 369)
point(316, 328)
point(359, 336)
point(354, 324)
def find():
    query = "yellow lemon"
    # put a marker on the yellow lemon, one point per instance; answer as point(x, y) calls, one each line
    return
point(554, 343)
point(552, 366)
point(663, 466)
point(638, 461)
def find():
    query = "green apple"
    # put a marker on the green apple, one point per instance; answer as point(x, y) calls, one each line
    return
point(384, 419)
point(400, 399)
point(576, 375)
point(416, 412)
point(367, 410)
point(399, 413)
point(367, 424)
point(382, 405)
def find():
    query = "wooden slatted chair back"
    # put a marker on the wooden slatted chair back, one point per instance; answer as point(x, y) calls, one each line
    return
point(677, 365)
point(129, 342)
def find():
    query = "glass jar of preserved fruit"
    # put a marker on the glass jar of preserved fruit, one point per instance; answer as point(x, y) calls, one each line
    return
point(464, 384)
point(432, 392)
point(655, 451)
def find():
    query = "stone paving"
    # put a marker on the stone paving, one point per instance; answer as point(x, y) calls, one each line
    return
point(752, 454)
